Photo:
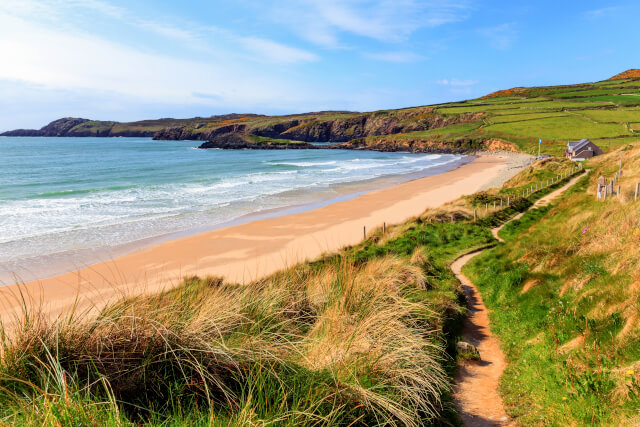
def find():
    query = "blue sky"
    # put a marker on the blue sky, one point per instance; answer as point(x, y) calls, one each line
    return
point(131, 60)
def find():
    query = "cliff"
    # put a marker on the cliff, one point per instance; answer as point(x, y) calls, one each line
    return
point(326, 128)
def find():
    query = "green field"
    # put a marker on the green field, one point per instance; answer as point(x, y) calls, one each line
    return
point(563, 127)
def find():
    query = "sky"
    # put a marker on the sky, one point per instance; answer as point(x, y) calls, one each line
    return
point(140, 59)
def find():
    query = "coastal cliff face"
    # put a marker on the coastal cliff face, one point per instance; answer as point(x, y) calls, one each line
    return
point(322, 129)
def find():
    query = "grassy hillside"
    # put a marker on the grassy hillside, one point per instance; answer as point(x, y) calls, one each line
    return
point(564, 291)
point(363, 336)
point(607, 112)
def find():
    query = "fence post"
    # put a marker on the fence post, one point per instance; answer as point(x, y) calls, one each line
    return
point(364, 232)
point(494, 205)
point(637, 188)
point(486, 208)
point(618, 192)
point(500, 203)
point(508, 201)
point(475, 215)
point(384, 227)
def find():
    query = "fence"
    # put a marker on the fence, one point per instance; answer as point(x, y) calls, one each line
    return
point(533, 188)
point(506, 201)
point(608, 188)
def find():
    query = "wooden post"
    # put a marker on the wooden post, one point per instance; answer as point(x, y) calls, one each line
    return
point(637, 188)
point(500, 203)
point(475, 215)
point(605, 193)
point(384, 227)
point(364, 232)
point(494, 205)
point(486, 208)
point(618, 192)
point(508, 201)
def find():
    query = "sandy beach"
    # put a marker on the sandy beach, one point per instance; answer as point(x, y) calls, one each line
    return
point(245, 252)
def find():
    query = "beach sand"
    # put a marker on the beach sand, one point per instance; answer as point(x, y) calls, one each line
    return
point(248, 251)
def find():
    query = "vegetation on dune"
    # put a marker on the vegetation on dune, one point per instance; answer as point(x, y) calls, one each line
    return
point(564, 299)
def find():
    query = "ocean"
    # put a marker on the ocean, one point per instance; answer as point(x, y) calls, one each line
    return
point(73, 201)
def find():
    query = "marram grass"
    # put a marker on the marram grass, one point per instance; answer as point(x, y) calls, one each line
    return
point(330, 343)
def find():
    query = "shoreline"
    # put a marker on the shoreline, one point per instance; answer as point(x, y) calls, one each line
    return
point(49, 265)
point(248, 251)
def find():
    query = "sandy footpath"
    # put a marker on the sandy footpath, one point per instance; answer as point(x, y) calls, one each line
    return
point(244, 252)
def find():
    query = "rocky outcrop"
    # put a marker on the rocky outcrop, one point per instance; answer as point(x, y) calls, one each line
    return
point(239, 141)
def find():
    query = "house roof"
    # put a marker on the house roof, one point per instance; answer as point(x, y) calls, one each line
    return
point(575, 146)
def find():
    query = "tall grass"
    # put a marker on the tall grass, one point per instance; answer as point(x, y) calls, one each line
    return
point(324, 343)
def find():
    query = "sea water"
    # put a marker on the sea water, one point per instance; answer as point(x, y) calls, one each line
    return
point(67, 199)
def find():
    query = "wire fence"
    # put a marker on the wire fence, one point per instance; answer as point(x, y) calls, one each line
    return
point(608, 189)
point(505, 202)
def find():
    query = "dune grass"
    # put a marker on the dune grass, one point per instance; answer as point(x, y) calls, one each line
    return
point(329, 343)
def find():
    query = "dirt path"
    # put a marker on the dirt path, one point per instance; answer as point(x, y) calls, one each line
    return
point(476, 390)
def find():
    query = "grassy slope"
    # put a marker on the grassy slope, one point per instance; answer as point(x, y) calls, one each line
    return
point(607, 112)
point(365, 335)
point(564, 293)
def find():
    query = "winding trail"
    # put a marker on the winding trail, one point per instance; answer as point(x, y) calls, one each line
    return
point(477, 382)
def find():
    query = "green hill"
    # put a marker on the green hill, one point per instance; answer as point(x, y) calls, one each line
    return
point(607, 112)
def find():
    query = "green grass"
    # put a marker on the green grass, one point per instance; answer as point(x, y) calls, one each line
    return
point(613, 116)
point(559, 128)
point(575, 288)
point(509, 118)
point(530, 218)
point(621, 100)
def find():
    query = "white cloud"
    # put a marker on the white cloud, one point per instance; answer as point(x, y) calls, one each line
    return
point(456, 82)
point(605, 11)
point(79, 61)
point(500, 36)
point(276, 52)
point(323, 21)
point(394, 56)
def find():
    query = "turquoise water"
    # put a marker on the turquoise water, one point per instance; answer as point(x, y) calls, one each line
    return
point(62, 196)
